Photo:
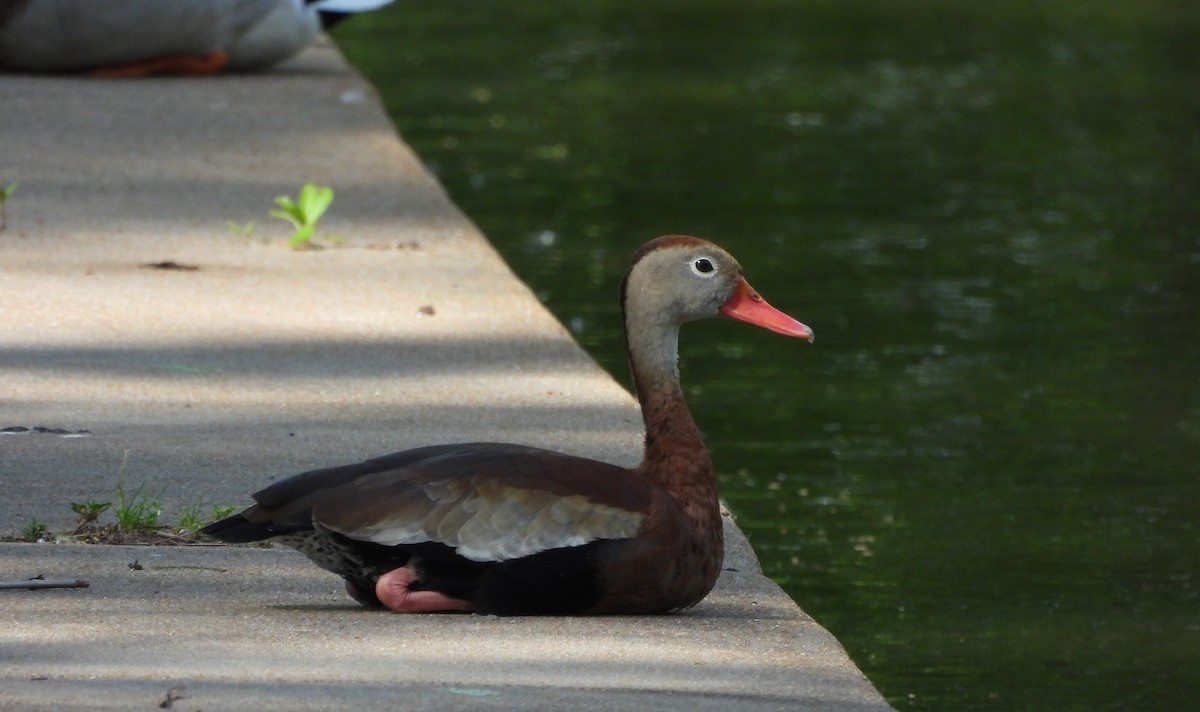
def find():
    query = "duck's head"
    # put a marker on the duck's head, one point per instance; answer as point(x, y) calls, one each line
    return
point(675, 279)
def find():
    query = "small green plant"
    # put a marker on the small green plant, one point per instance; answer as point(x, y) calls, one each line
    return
point(191, 521)
point(33, 531)
point(5, 194)
point(136, 511)
point(88, 513)
point(304, 212)
point(222, 511)
point(246, 231)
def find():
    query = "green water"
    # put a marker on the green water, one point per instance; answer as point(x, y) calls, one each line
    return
point(983, 475)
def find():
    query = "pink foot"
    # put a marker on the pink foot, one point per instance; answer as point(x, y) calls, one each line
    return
point(394, 590)
point(168, 64)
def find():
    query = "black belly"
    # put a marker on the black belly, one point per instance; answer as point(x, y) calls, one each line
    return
point(553, 582)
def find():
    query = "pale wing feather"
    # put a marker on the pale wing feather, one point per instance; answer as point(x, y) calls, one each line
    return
point(446, 520)
point(494, 522)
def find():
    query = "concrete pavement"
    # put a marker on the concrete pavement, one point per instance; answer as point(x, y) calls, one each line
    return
point(201, 385)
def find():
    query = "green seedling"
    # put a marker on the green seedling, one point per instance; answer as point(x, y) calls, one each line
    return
point(137, 518)
point(5, 194)
point(304, 212)
point(33, 531)
point(245, 231)
point(222, 511)
point(88, 513)
point(136, 511)
point(189, 521)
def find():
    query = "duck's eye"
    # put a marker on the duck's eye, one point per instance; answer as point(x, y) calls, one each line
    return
point(703, 265)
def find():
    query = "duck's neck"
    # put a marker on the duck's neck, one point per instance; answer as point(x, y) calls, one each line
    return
point(675, 457)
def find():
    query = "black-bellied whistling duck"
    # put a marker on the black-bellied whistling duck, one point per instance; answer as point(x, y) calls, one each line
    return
point(510, 529)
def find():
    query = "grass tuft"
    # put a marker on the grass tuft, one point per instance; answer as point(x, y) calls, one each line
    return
point(136, 512)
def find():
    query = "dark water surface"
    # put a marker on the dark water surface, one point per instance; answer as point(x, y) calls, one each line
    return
point(983, 475)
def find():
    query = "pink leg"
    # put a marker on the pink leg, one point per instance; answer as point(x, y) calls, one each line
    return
point(394, 590)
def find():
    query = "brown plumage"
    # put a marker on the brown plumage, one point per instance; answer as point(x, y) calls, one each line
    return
point(510, 529)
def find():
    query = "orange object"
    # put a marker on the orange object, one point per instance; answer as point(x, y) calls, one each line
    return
point(188, 64)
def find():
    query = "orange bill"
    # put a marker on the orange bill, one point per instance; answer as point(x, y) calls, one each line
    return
point(748, 306)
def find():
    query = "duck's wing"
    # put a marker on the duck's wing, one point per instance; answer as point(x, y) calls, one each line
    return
point(488, 501)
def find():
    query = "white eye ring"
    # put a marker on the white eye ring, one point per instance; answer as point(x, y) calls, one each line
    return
point(704, 267)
